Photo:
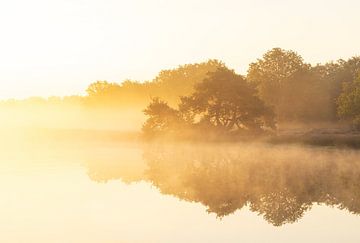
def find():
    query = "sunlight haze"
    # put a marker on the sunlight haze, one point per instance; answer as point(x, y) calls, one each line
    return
point(179, 121)
point(60, 47)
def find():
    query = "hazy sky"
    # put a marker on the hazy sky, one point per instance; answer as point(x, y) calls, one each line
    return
point(58, 47)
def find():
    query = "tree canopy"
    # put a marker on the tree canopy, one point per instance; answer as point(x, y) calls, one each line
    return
point(226, 101)
point(223, 103)
point(349, 102)
point(272, 73)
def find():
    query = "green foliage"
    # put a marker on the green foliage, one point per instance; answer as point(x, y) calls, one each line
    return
point(349, 102)
point(297, 91)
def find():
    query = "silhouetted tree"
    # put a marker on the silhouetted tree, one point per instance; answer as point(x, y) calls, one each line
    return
point(162, 119)
point(225, 101)
point(222, 104)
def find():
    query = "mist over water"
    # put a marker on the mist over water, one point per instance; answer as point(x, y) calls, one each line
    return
point(179, 121)
point(199, 153)
point(289, 188)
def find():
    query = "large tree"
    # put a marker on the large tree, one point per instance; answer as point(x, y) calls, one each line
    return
point(222, 104)
point(274, 74)
point(273, 71)
point(227, 102)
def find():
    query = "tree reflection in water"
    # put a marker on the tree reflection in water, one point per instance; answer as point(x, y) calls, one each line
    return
point(279, 183)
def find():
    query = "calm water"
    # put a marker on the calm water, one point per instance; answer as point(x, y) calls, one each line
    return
point(103, 192)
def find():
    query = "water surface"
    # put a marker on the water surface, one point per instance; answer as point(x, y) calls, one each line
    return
point(88, 191)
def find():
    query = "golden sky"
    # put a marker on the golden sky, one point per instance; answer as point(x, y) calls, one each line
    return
point(58, 47)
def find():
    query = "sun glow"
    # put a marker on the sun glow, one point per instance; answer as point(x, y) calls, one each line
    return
point(59, 47)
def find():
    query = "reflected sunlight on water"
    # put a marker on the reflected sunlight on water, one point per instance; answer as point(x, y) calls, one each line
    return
point(128, 192)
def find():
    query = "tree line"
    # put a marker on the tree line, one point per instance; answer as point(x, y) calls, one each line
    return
point(294, 89)
point(279, 87)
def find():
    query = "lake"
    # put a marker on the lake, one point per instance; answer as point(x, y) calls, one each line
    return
point(94, 191)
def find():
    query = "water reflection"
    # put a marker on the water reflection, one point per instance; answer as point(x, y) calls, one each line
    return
point(279, 183)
